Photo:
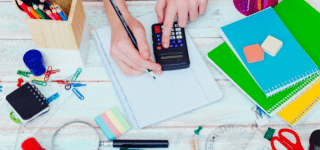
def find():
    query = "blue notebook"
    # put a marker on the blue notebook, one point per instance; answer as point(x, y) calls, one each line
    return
point(274, 74)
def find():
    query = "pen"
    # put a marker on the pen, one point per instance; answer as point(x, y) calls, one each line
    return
point(133, 39)
point(136, 143)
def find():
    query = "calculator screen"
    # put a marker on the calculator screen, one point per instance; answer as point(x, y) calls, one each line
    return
point(171, 57)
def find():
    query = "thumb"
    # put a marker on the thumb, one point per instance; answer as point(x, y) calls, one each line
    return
point(143, 46)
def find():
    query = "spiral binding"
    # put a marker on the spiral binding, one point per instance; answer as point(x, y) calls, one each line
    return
point(285, 101)
point(39, 93)
point(307, 111)
point(287, 84)
point(115, 83)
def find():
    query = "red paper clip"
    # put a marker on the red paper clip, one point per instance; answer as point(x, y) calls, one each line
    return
point(62, 81)
point(55, 71)
point(47, 74)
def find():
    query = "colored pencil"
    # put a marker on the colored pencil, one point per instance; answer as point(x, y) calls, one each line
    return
point(58, 7)
point(36, 8)
point(25, 9)
point(63, 17)
point(34, 13)
point(259, 5)
point(54, 12)
point(50, 14)
point(46, 4)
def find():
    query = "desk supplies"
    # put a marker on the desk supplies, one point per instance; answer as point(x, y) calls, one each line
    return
point(23, 73)
point(27, 102)
point(42, 83)
point(197, 132)
point(52, 98)
point(269, 134)
point(54, 12)
point(14, 118)
point(136, 143)
point(34, 13)
point(34, 61)
point(31, 144)
point(38, 11)
point(271, 45)
point(253, 53)
point(25, 8)
point(172, 94)
point(285, 142)
point(0, 88)
point(270, 73)
point(20, 80)
point(79, 95)
point(112, 123)
point(76, 75)
point(248, 7)
point(194, 144)
point(314, 140)
point(129, 32)
point(62, 15)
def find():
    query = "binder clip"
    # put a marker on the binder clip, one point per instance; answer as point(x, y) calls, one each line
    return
point(80, 96)
point(42, 83)
point(78, 84)
point(52, 98)
point(261, 121)
point(76, 75)
point(23, 73)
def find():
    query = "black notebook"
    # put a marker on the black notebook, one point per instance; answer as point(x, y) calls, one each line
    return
point(27, 102)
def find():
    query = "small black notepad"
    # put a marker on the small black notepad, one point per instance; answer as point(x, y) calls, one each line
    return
point(28, 102)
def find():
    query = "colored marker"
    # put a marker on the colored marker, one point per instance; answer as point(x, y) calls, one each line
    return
point(62, 15)
point(54, 12)
point(51, 15)
point(25, 9)
point(34, 13)
point(36, 8)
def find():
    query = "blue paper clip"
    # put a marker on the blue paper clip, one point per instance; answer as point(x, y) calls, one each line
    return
point(52, 98)
point(80, 96)
point(78, 84)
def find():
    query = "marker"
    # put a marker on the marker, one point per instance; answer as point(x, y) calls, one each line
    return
point(136, 143)
point(54, 12)
point(63, 17)
point(36, 8)
point(25, 9)
point(34, 13)
point(50, 15)
point(131, 36)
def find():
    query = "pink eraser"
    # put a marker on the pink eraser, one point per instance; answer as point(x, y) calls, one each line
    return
point(253, 53)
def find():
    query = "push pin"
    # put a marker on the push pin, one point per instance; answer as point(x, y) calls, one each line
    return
point(20, 80)
point(197, 132)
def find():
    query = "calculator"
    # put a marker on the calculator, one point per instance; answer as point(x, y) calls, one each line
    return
point(176, 56)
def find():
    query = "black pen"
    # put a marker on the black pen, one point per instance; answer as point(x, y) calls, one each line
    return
point(136, 143)
point(133, 39)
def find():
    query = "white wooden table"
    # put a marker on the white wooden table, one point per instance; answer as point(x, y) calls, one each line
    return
point(234, 109)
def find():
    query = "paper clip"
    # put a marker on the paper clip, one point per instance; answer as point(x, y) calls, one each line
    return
point(68, 86)
point(75, 76)
point(80, 96)
point(52, 98)
point(23, 73)
point(42, 83)
point(14, 119)
point(62, 81)
point(47, 74)
point(37, 78)
point(78, 84)
point(55, 71)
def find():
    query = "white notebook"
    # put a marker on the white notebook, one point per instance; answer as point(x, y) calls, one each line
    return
point(147, 101)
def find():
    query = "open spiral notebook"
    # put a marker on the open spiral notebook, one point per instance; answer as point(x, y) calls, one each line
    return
point(147, 101)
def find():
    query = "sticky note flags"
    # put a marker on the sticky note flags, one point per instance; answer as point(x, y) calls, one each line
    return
point(112, 123)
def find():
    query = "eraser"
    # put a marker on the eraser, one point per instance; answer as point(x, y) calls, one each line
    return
point(271, 45)
point(253, 53)
point(269, 133)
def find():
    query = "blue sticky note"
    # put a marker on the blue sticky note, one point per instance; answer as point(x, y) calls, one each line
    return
point(105, 129)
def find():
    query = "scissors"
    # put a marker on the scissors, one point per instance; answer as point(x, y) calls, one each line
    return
point(285, 142)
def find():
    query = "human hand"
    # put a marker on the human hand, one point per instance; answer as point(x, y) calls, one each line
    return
point(131, 61)
point(181, 9)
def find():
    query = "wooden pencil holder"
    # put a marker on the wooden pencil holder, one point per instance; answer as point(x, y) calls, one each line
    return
point(60, 34)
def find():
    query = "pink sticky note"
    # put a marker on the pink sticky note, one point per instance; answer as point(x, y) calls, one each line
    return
point(108, 122)
point(253, 53)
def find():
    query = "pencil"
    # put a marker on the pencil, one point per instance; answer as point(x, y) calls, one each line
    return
point(46, 4)
point(58, 7)
point(36, 8)
point(41, 7)
point(259, 5)
point(129, 32)
point(34, 13)
point(63, 17)
point(25, 9)
point(50, 14)
point(54, 12)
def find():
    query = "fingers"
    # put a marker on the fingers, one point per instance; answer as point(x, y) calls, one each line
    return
point(193, 11)
point(203, 6)
point(167, 25)
point(160, 9)
point(183, 15)
point(143, 46)
point(127, 70)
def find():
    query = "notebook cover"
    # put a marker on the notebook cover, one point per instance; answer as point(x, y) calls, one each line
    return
point(228, 63)
point(274, 74)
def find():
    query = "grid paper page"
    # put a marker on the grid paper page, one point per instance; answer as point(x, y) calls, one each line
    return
point(147, 101)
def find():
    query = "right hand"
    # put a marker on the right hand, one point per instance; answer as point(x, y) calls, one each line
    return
point(131, 61)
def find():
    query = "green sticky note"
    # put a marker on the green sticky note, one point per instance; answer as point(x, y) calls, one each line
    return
point(121, 119)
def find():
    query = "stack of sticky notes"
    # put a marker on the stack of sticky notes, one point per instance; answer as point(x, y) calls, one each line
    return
point(112, 123)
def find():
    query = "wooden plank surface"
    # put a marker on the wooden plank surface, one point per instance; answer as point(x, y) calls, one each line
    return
point(233, 110)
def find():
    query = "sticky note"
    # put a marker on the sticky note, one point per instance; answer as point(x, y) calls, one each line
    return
point(108, 122)
point(253, 53)
point(116, 122)
point(121, 119)
point(105, 129)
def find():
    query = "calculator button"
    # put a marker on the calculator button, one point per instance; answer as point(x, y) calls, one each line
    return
point(173, 42)
point(176, 25)
point(179, 37)
point(178, 29)
point(159, 43)
point(172, 29)
point(157, 29)
point(172, 37)
point(172, 33)
point(158, 35)
point(180, 41)
point(158, 39)
point(176, 45)
point(178, 33)
point(171, 45)
point(159, 47)
point(181, 44)
point(161, 26)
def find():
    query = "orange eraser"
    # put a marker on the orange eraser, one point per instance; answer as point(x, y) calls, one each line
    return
point(253, 53)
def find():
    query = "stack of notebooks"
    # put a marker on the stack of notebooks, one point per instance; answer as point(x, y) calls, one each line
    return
point(287, 84)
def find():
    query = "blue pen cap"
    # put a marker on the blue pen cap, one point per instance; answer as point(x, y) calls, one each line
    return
point(34, 61)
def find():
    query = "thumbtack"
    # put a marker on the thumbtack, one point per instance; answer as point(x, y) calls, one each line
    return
point(196, 132)
point(20, 80)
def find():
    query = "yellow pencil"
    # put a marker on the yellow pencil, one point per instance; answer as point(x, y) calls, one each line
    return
point(58, 7)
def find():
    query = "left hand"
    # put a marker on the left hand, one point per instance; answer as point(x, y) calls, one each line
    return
point(183, 9)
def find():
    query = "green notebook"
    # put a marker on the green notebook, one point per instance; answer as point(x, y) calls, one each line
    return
point(294, 14)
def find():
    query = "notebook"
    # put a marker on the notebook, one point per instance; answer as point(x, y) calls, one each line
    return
point(290, 66)
point(228, 64)
point(303, 21)
point(27, 102)
point(147, 101)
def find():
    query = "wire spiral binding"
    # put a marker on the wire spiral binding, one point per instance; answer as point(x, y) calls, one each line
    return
point(307, 111)
point(39, 93)
point(115, 82)
point(278, 88)
point(285, 101)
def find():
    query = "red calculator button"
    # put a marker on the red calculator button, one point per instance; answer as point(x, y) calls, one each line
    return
point(159, 47)
point(157, 29)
